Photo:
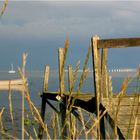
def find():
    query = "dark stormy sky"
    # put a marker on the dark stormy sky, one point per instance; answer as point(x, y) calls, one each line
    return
point(41, 27)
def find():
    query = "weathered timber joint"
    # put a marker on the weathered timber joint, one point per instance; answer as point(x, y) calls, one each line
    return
point(96, 103)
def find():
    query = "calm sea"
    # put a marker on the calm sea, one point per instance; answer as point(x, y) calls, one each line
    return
point(35, 81)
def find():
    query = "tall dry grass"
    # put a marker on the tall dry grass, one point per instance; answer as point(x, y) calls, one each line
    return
point(81, 124)
point(116, 109)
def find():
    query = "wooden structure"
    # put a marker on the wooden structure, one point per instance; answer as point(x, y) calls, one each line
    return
point(121, 104)
point(120, 111)
point(15, 84)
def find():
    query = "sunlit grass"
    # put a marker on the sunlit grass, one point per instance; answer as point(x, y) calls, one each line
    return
point(80, 123)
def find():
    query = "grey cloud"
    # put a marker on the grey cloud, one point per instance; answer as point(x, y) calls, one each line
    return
point(53, 20)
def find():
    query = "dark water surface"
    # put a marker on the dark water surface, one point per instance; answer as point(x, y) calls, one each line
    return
point(35, 81)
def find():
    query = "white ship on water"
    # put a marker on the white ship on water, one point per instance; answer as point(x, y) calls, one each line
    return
point(12, 69)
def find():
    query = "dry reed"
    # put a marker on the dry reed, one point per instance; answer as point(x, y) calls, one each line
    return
point(34, 111)
point(82, 79)
point(11, 109)
point(75, 132)
point(3, 8)
point(1, 123)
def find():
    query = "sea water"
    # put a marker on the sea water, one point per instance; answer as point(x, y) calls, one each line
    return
point(35, 83)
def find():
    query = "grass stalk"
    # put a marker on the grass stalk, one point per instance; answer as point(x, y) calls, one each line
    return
point(1, 124)
point(84, 72)
point(73, 82)
point(54, 125)
point(11, 109)
point(58, 124)
point(137, 94)
point(135, 129)
point(4, 8)
point(8, 136)
point(83, 123)
point(83, 76)
point(34, 111)
point(23, 115)
point(120, 97)
point(35, 132)
point(29, 136)
point(82, 79)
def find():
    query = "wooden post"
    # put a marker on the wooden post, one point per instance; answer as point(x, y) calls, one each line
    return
point(104, 82)
point(43, 104)
point(104, 89)
point(43, 108)
point(61, 70)
point(96, 74)
point(104, 86)
point(102, 128)
point(62, 90)
point(46, 78)
point(107, 83)
point(110, 93)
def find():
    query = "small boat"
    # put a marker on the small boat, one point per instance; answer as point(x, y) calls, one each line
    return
point(12, 69)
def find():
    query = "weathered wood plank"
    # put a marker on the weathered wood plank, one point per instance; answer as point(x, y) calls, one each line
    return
point(123, 108)
point(128, 130)
point(46, 77)
point(128, 110)
point(124, 121)
point(130, 135)
point(62, 90)
point(103, 87)
point(113, 125)
point(43, 108)
point(61, 70)
point(126, 127)
point(96, 74)
point(82, 96)
point(119, 43)
point(96, 70)
point(43, 103)
point(123, 113)
point(104, 76)
point(124, 101)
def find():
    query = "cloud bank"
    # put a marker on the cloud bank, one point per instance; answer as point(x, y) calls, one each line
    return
point(27, 24)
point(56, 19)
